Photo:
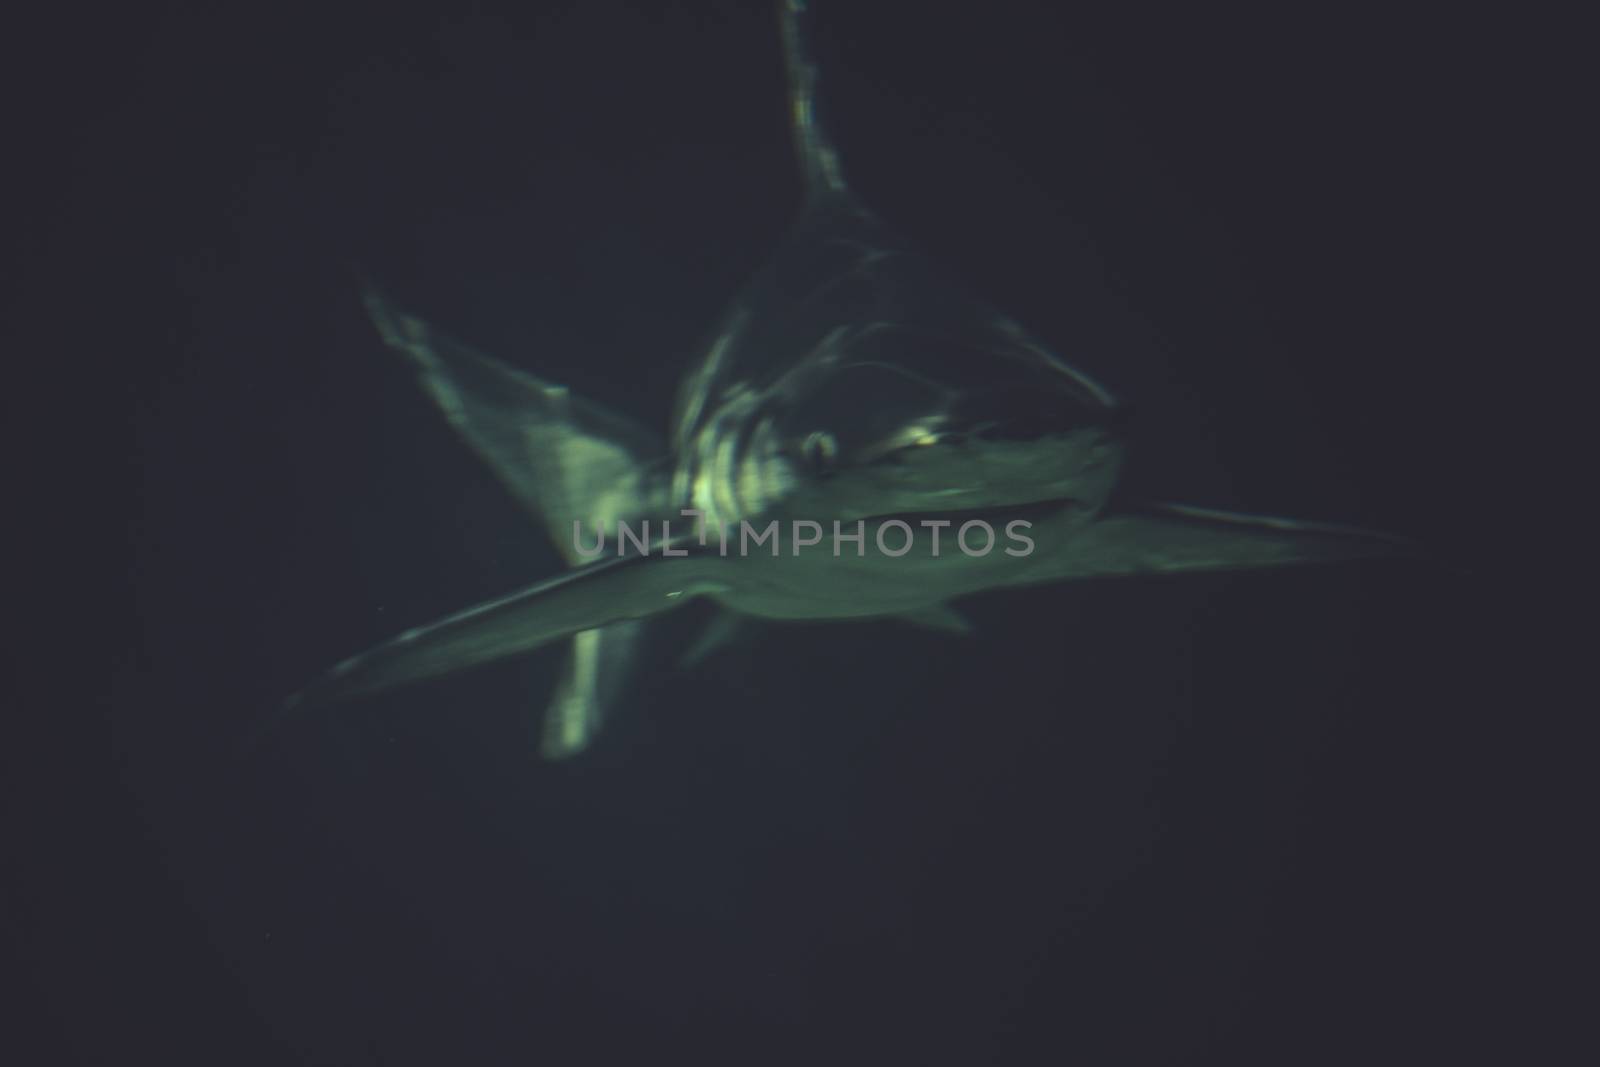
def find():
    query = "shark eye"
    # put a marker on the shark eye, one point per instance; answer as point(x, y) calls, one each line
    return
point(819, 449)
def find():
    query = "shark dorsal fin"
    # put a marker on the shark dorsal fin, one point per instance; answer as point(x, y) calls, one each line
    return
point(819, 160)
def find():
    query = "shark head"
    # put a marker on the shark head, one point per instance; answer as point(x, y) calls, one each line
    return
point(958, 450)
point(853, 377)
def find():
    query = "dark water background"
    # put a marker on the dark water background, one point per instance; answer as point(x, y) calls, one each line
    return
point(1221, 819)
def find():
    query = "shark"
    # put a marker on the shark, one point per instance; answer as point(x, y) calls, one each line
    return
point(853, 389)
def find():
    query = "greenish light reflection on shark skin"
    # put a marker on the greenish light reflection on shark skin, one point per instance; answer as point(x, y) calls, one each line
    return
point(850, 382)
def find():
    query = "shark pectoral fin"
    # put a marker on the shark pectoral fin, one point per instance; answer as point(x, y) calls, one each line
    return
point(941, 617)
point(562, 457)
point(593, 677)
point(1175, 538)
point(585, 598)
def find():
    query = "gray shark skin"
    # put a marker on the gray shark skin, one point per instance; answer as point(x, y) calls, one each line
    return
point(850, 382)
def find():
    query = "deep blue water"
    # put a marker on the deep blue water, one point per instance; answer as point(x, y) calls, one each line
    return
point(1226, 819)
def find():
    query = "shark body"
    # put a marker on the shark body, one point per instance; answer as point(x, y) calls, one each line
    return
point(849, 386)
